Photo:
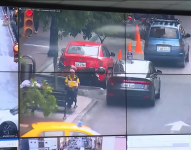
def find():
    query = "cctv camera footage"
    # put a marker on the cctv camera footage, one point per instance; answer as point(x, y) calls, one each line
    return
point(8, 72)
point(127, 74)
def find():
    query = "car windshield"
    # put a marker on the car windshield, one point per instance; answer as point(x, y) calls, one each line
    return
point(164, 32)
point(83, 50)
point(14, 110)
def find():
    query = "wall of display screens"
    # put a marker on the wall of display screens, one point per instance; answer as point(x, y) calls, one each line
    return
point(73, 79)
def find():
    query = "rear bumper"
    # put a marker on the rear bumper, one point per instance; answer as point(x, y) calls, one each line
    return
point(128, 95)
point(164, 57)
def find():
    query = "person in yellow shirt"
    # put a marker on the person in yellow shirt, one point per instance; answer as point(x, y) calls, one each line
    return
point(72, 83)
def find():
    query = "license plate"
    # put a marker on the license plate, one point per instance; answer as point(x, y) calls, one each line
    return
point(80, 64)
point(163, 49)
point(128, 85)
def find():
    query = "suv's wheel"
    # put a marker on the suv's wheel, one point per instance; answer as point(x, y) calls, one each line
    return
point(187, 57)
point(182, 63)
point(8, 128)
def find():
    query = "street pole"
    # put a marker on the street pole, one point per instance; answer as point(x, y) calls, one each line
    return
point(55, 71)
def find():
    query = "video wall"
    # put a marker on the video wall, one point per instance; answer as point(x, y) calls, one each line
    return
point(94, 80)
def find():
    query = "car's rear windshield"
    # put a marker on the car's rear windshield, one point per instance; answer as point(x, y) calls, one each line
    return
point(83, 50)
point(164, 32)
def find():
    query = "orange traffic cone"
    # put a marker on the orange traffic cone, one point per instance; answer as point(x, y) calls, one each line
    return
point(136, 32)
point(119, 55)
point(138, 48)
point(130, 47)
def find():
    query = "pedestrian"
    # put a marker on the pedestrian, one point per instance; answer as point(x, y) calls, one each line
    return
point(72, 83)
point(36, 21)
point(27, 83)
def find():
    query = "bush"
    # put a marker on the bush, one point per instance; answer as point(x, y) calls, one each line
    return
point(32, 97)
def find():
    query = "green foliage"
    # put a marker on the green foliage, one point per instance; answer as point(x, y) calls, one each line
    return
point(34, 98)
point(70, 22)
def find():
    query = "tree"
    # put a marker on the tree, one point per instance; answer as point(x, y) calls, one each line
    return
point(32, 97)
point(105, 24)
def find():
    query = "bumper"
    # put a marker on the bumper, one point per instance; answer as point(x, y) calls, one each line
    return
point(128, 95)
point(163, 57)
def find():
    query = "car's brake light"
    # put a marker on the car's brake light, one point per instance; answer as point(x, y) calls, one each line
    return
point(113, 81)
point(143, 19)
point(138, 82)
point(180, 43)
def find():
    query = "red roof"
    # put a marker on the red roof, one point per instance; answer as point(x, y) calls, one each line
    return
point(84, 43)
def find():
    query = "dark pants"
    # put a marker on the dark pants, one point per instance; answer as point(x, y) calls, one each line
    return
point(36, 24)
point(71, 96)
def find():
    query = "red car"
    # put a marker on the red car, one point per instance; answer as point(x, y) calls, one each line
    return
point(87, 57)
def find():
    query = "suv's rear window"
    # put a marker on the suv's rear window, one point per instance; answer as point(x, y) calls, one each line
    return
point(164, 32)
point(83, 50)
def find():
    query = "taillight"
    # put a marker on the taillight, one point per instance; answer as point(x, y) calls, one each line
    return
point(143, 19)
point(138, 82)
point(112, 81)
point(15, 48)
point(181, 45)
point(129, 17)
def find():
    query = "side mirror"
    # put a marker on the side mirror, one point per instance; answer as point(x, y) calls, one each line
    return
point(63, 49)
point(101, 70)
point(112, 54)
point(159, 71)
point(187, 35)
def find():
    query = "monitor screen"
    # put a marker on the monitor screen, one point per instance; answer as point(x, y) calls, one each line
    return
point(9, 72)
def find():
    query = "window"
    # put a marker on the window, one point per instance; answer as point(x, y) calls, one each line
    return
point(77, 134)
point(164, 32)
point(41, 144)
point(52, 133)
point(152, 68)
point(83, 50)
point(106, 51)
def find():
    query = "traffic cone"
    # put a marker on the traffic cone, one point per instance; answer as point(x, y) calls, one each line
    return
point(129, 47)
point(119, 55)
point(138, 48)
point(136, 32)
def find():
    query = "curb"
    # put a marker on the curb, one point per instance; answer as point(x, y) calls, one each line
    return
point(86, 110)
point(10, 29)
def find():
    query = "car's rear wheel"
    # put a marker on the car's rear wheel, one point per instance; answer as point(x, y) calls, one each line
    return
point(158, 94)
point(8, 128)
point(182, 63)
point(152, 100)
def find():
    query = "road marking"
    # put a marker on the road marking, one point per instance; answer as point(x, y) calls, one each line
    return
point(176, 126)
point(43, 46)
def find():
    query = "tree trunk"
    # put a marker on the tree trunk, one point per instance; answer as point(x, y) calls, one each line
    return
point(53, 44)
point(53, 48)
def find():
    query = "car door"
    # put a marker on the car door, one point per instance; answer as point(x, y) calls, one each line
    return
point(110, 58)
point(184, 40)
point(154, 77)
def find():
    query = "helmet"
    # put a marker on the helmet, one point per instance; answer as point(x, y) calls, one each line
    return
point(73, 67)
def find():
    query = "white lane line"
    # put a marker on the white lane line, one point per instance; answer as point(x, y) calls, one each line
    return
point(7, 27)
point(36, 45)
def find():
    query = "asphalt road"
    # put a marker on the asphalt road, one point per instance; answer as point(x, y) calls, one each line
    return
point(8, 70)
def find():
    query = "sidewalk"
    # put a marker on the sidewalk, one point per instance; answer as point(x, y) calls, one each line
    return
point(73, 115)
